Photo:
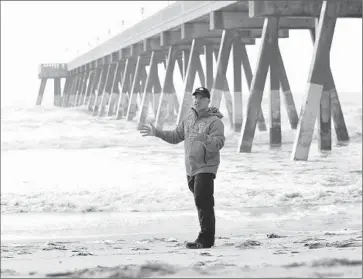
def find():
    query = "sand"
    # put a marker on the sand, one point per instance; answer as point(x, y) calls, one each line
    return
point(254, 253)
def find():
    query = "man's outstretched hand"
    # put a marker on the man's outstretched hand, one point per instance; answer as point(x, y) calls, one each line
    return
point(148, 131)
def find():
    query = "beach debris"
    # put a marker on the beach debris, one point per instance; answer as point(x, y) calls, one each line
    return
point(24, 252)
point(337, 244)
point(108, 242)
point(346, 243)
point(144, 241)
point(273, 235)
point(199, 264)
point(7, 271)
point(248, 244)
point(279, 252)
point(335, 262)
point(59, 274)
point(222, 237)
point(83, 253)
point(139, 249)
point(123, 271)
point(206, 254)
point(314, 238)
point(315, 245)
point(53, 246)
point(171, 239)
point(294, 264)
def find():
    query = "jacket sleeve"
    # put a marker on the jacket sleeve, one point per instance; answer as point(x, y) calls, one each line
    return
point(174, 136)
point(215, 138)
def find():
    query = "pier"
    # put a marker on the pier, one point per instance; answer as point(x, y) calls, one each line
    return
point(120, 77)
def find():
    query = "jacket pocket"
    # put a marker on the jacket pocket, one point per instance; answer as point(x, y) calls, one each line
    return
point(197, 155)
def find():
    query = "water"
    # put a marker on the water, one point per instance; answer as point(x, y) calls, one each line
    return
point(65, 172)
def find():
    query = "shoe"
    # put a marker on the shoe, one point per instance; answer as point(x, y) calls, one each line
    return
point(196, 245)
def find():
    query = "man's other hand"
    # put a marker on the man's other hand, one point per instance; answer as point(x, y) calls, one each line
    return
point(148, 131)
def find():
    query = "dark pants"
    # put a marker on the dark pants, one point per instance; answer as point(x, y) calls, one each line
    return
point(202, 186)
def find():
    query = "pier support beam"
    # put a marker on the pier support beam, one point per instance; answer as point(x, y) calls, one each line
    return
point(81, 78)
point(108, 88)
point(115, 89)
point(275, 104)
point(189, 79)
point(237, 88)
point(72, 92)
point(316, 80)
point(286, 91)
point(87, 94)
point(123, 98)
point(257, 86)
point(149, 84)
point(57, 92)
point(335, 107)
point(101, 88)
point(66, 89)
point(135, 88)
point(43, 83)
point(80, 96)
point(261, 123)
point(94, 86)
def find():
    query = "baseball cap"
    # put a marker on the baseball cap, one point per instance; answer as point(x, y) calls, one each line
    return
point(202, 91)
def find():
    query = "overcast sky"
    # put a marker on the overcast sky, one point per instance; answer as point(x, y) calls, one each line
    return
point(42, 32)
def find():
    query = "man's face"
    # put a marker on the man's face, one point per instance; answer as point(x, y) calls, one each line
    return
point(200, 103)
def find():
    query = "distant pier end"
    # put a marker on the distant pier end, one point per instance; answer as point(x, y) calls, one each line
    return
point(54, 71)
point(120, 77)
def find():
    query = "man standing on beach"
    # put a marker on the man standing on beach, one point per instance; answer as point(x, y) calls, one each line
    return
point(203, 136)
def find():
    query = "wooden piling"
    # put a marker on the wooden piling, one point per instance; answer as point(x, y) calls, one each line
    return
point(257, 88)
point(147, 94)
point(221, 68)
point(43, 83)
point(286, 92)
point(131, 110)
point(316, 80)
point(72, 91)
point(109, 88)
point(101, 88)
point(82, 77)
point(87, 95)
point(237, 88)
point(261, 123)
point(168, 87)
point(66, 89)
point(57, 92)
point(120, 109)
point(94, 85)
point(156, 91)
point(336, 110)
point(80, 99)
point(115, 89)
point(275, 104)
point(189, 82)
